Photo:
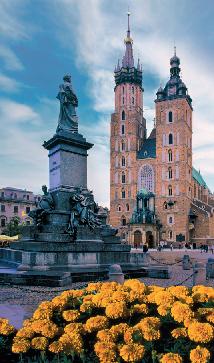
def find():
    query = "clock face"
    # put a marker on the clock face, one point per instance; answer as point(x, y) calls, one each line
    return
point(171, 91)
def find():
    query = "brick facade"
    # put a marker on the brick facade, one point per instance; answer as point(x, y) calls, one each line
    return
point(161, 163)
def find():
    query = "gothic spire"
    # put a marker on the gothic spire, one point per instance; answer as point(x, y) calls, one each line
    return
point(128, 59)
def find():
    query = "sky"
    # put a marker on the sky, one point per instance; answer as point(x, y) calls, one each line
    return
point(42, 40)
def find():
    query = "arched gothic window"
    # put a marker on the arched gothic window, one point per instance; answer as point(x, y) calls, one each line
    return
point(170, 235)
point(123, 146)
point(146, 178)
point(170, 173)
point(123, 178)
point(123, 162)
point(127, 207)
point(123, 220)
point(123, 194)
point(170, 116)
point(170, 155)
point(122, 129)
point(165, 205)
point(119, 208)
point(170, 139)
point(123, 115)
point(169, 190)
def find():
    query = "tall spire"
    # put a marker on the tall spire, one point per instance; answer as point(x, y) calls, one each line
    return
point(128, 59)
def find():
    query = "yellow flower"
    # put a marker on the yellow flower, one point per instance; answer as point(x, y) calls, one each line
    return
point(119, 296)
point(200, 332)
point(20, 346)
point(6, 328)
point(199, 355)
point(71, 315)
point(118, 330)
point(39, 343)
point(163, 310)
point(132, 352)
point(180, 311)
point(140, 309)
point(132, 335)
point(117, 310)
point(77, 327)
point(87, 307)
point(72, 343)
point(43, 314)
point(135, 284)
point(179, 333)
point(56, 347)
point(179, 291)
point(96, 323)
point(26, 332)
point(189, 321)
point(164, 298)
point(171, 358)
point(94, 286)
point(59, 302)
point(149, 327)
point(105, 352)
point(49, 330)
point(105, 335)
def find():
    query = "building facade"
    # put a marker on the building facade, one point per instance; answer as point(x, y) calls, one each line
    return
point(158, 165)
point(16, 203)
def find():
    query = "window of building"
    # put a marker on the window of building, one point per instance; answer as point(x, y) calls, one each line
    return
point(169, 190)
point(165, 205)
point(2, 208)
point(132, 89)
point(123, 162)
point(170, 235)
point(123, 89)
point(3, 222)
point(123, 178)
point(123, 194)
point(123, 100)
point(2, 194)
point(123, 129)
point(146, 178)
point(28, 197)
point(170, 139)
point(123, 146)
point(15, 196)
point(27, 210)
point(170, 173)
point(27, 223)
point(170, 155)
point(16, 209)
point(123, 221)
point(133, 100)
point(123, 115)
point(170, 116)
point(170, 220)
point(127, 207)
point(119, 208)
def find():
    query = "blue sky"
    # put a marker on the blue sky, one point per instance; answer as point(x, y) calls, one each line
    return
point(42, 40)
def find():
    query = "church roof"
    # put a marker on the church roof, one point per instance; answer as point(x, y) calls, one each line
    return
point(148, 149)
point(198, 177)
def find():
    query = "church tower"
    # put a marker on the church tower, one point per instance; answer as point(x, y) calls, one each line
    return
point(128, 131)
point(174, 156)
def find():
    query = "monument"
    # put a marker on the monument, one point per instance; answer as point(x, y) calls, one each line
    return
point(69, 237)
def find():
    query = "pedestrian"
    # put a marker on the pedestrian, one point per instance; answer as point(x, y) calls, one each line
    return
point(206, 248)
point(201, 247)
point(171, 246)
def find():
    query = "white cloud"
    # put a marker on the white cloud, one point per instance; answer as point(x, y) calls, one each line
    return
point(10, 59)
point(15, 112)
point(11, 25)
point(8, 84)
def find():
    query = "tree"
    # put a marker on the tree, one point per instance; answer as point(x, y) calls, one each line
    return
point(12, 228)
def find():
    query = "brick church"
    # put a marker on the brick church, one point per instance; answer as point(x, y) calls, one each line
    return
point(155, 192)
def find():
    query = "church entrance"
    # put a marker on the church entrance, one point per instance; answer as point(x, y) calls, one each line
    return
point(137, 239)
point(149, 239)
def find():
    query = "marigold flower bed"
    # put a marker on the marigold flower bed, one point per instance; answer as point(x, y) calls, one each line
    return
point(109, 323)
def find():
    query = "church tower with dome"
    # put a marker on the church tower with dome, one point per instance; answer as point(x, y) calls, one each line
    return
point(128, 132)
point(173, 188)
point(155, 192)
